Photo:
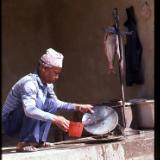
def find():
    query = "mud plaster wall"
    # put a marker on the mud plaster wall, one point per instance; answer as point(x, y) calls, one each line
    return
point(75, 29)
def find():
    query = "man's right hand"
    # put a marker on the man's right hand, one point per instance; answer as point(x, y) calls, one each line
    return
point(61, 123)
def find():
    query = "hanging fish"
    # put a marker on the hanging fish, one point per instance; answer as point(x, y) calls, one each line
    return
point(111, 46)
point(146, 11)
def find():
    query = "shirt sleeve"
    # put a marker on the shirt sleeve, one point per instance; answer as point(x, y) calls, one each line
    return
point(61, 105)
point(29, 103)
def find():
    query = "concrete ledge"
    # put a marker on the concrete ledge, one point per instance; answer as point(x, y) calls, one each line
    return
point(135, 147)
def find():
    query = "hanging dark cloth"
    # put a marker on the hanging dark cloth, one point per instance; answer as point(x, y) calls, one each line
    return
point(133, 51)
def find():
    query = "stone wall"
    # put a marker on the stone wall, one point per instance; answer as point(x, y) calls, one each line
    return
point(75, 29)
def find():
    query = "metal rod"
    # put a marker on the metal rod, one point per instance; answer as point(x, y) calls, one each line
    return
point(121, 61)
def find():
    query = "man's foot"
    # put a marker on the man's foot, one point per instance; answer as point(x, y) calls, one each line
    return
point(26, 147)
point(45, 144)
point(32, 147)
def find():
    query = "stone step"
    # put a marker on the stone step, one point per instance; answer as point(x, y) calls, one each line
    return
point(133, 147)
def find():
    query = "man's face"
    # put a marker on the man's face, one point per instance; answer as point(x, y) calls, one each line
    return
point(50, 75)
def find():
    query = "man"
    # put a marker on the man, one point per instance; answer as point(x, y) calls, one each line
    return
point(31, 104)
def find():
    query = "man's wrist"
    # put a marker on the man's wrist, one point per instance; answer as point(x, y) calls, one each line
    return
point(77, 107)
point(54, 119)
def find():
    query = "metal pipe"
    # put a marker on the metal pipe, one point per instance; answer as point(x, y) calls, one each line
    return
point(121, 61)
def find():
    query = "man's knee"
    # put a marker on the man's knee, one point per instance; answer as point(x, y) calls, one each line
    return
point(50, 105)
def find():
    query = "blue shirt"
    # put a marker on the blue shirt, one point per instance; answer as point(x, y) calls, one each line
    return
point(30, 93)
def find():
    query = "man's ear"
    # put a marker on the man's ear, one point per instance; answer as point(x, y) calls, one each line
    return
point(42, 68)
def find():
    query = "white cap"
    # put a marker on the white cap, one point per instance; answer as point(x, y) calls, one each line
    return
point(52, 58)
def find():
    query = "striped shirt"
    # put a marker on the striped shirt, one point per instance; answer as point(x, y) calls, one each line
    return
point(30, 93)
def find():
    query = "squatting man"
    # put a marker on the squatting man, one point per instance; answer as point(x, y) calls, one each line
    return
point(31, 105)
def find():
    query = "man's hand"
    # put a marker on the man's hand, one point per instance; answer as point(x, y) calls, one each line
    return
point(61, 123)
point(84, 108)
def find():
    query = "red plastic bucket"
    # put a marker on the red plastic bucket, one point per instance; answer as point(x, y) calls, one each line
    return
point(75, 129)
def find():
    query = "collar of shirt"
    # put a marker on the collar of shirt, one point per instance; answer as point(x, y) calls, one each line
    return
point(40, 83)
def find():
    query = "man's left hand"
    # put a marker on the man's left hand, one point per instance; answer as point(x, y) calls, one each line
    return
point(84, 108)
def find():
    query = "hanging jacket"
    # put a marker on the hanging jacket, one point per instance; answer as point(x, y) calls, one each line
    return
point(133, 51)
